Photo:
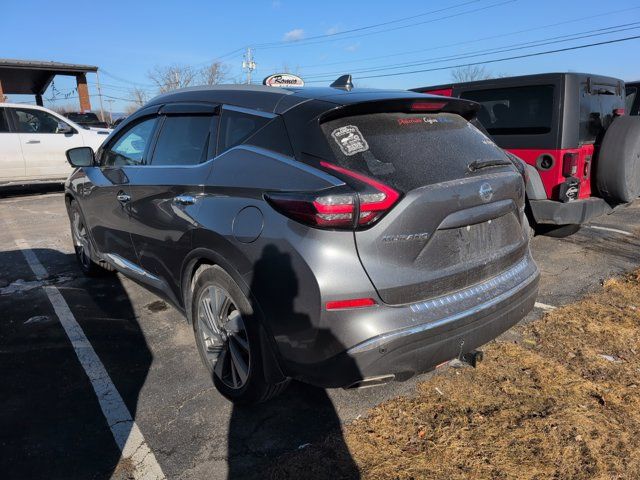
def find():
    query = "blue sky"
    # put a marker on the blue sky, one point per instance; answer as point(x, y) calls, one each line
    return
point(126, 39)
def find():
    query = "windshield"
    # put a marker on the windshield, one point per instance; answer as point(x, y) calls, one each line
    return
point(409, 150)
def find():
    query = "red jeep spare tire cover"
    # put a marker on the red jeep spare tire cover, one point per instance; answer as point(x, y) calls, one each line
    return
point(618, 165)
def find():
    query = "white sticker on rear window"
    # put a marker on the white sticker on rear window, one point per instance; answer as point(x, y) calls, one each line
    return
point(350, 140)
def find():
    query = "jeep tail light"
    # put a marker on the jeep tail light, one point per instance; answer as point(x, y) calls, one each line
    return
point(570, 164)
point(339, 207)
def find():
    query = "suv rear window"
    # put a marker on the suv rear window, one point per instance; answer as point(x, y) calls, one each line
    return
point(515, 111)
point(238, 128)
point(407, 151)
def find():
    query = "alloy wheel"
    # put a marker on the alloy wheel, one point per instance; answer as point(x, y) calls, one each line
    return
point(81, 240)
point(224, 337)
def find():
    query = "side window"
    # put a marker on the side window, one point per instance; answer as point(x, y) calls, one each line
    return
point(36, 121)
point(524, 110)
point(130, 146)
point(272, 136)
point(183, 140)
point(4, 124)
point(236, 127)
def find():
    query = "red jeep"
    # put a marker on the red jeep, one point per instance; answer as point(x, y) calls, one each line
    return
point(632, 106)
point(582, 153)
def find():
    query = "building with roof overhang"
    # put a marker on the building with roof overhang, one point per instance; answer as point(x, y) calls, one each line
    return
point(28, 77)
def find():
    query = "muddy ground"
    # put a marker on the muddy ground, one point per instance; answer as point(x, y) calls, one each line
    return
point(558, 400)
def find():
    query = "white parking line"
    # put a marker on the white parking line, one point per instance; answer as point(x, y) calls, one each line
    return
point(608, 229)
point(125, 431)
point(544, 306)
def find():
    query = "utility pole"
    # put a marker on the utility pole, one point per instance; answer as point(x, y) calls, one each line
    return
point(99, 93)
point(248, 64)
point(110, 102)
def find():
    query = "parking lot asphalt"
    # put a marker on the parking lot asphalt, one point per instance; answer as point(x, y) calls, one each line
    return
point(52, 423)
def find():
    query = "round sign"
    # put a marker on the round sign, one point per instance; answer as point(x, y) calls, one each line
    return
point(283, 80)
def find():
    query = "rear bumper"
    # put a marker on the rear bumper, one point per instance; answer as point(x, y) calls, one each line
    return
point(576, 212)
point(497, 305)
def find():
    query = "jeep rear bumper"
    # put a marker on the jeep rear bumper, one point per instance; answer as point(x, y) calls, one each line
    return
point(570, 213)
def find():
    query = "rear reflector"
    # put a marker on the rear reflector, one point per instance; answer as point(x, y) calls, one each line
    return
point(353, 303)
point(569, 164)
point(427, 106)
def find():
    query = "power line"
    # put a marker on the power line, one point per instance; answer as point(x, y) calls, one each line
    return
point(475, 40)
point(477, 53)
point(130, 82)
point(368, 27)
point(446, 17)
point(497, 60)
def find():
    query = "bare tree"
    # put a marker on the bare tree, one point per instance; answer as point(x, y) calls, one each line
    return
point(213, 74)
point(286, 68)
point(172, 77)
point(63, 108)
point(470, 73)
point(104, 116)
point(139, 96)
point(129, 109)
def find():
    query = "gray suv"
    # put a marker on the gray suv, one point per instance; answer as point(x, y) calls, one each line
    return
point(335, 236)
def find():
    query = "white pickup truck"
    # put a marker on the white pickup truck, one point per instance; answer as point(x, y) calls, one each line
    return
point(33, 142)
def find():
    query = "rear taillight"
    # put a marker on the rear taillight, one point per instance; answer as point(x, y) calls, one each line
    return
point(374, 201)
point(569, 164)
point(618, 112)
point(338, 207)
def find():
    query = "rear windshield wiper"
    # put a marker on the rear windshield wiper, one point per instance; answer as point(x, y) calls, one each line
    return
point(480, 164)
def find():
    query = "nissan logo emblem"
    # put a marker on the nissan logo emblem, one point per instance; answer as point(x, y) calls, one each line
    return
point(486, 192)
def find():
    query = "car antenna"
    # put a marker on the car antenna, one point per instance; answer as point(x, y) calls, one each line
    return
point(343, 83)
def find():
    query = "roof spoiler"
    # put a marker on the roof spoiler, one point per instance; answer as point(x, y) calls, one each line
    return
point(410, 104)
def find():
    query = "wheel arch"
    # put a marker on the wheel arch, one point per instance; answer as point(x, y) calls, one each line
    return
point(204, 256)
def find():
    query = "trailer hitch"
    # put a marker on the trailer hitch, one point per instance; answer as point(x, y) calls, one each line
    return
point(472, 358)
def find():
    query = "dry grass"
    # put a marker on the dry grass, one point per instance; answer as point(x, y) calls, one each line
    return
point(561, 403)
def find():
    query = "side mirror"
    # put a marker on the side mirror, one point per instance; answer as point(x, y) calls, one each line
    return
point(81, 157)
point(64, 128)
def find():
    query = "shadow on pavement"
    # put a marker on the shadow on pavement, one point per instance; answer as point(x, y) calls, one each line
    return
point(7, 191)
point(302, 414)
point(51, 424)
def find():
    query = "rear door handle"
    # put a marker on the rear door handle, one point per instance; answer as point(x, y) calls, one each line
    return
point(31, 142)
point(123, 197)
point(185, 200)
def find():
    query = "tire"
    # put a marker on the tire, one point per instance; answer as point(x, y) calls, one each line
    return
point(228, 338)
point(557, 231)
point(82, 244)
point(618, 167)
